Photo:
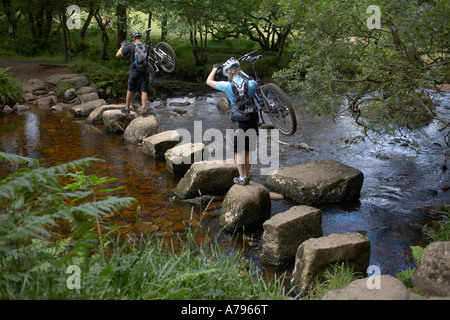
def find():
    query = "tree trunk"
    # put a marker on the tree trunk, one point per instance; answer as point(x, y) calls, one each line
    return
point(64, 28)
point(121, 23)
point(105, 37)
point(11, 17)
point(88, 22)
point(164, 27)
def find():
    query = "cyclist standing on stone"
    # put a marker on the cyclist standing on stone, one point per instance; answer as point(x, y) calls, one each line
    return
point(231, 69)
point(139, 74)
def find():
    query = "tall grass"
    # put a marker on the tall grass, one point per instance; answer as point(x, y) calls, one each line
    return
point(11, 89)
point(35, 202)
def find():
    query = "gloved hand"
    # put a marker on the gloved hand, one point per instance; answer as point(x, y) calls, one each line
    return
point(217, 65)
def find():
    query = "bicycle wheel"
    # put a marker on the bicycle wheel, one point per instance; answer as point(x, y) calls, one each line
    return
point(165, 57)
point(278, 108)
point(151, 74)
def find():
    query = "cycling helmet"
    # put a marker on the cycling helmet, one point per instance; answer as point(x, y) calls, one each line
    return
point(136, 34)
point(232, 62)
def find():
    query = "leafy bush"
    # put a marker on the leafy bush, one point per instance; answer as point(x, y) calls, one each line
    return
point(11, 90)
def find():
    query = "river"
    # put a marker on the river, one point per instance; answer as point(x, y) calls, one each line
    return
point(399, 178)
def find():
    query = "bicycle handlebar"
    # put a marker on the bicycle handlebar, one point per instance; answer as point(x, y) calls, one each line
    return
point(245, 56)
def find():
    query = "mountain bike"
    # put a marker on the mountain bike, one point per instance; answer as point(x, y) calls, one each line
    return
point(271, 100)
point(162, 56)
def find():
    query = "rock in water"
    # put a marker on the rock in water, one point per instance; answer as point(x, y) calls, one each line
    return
point(315, 255)
point(318, 182)
point(116, 121)
point(83, 110)
point(207, 177)
point(286, 231)
point(245, 206)
point(141, 128)
point(156, 145)
point(180, 158)
point(96, 116)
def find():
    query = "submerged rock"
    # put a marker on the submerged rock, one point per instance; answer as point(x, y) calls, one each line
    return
point(318, 182)
point(245, 206)
point(206, 177)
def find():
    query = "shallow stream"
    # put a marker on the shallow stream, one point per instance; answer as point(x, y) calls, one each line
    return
point(398, 177)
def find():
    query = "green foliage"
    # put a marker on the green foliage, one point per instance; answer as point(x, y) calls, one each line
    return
point(34, 257)
point(337, 277)
point(378, 75)
point(11, 90)
point(441, 234)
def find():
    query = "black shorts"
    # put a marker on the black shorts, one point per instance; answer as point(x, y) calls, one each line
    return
point(138, 81)
point(247, 140)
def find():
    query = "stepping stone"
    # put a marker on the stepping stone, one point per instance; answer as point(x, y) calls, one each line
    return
point(318, 182)
point(156, 145)
point(245, 206)
point(116, 121)
point(180, 158)
point(207, 177)
point(286, 231)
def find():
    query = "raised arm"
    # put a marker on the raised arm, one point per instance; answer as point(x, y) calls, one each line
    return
point(210, 80)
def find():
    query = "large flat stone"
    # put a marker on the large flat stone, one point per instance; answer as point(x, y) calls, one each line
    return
point(116, 121)
point(96, 116)
point(157, 145)
point(314, 256)
point(286, 231)
point(245, 206)
point(180, 158)
point(318, 182)
point(141, 128)
point(83, 110)
point(206, 178)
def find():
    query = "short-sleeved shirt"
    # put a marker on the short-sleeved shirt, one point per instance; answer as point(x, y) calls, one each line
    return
point(130, 50)
point(225, 86)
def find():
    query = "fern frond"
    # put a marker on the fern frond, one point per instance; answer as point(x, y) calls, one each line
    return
point(15, 159)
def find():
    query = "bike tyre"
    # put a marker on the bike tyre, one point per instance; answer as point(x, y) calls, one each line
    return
point(282, 102)
point(151, 74)
point(167, 49)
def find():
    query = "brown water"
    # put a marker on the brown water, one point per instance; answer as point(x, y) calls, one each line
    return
point(399, 179)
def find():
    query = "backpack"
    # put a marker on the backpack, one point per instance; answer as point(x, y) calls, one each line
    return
point(140, 56)
point(244, 108)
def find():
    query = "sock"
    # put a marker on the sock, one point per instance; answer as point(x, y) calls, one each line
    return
point(241, 178)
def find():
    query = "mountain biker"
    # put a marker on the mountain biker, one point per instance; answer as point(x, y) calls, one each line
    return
point(139, 75)
point(231, 69)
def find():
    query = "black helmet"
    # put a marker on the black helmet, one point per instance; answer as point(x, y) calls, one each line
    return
point(136, 34)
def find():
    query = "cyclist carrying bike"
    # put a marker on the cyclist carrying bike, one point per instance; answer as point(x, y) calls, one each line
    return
point(139, 72)
point(231, 69)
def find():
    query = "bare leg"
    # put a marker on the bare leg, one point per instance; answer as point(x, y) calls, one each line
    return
point(144, 98)
point(247, 164)
point(128, 98)
point(240, 163)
